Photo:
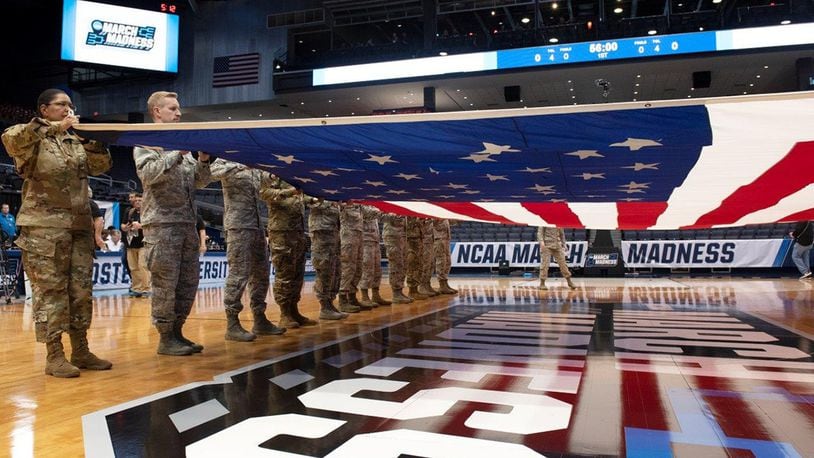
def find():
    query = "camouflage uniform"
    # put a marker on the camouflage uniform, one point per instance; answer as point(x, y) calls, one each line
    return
point(414, 249)
point(246, 247)
point(350, 234)
point(427, 257)
point(323, 227)
point(552, 242)
point(443, 261)
point(395, 239)
point(371, 257)
point(286, 231)
point(171, 242)
point(56, 237)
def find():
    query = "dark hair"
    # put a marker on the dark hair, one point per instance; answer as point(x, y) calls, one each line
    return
point(47, 96)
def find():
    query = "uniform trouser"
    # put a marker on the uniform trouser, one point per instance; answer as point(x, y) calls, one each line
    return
point(371, 265)
point(172, 256)
point(545, 258)
point(800, 255)
point(395, 247)
point(288, 257)
point(59, 263)
point(351, 254)
point(414, 249)
point(248, 256)
point(427, 258)
point(443, 260)
point(336, 265)
point(324, 258)
point(139, 273)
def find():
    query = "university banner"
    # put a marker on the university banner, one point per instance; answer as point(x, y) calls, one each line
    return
point(706, 253)
point(519, 254)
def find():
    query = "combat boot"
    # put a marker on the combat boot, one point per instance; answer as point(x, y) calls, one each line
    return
point(328, 312)
point(263, 327)
point(55, 362)
point(444, 288)
point(378, 298)
point(177, 329)
point(400, 298)
point(426, 291)
point(234, 331)
point(353, 301)
point(301, 319)
point(287, 319)
point(415, 294)
point(570, 283)
point(366, 300)
point(345, 305)
point(542, 286)
point(168, 343)
point(81, 356)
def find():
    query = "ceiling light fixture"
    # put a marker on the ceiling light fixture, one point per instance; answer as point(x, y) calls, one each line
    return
point(525, 20)
point(442, 53)
point(652, 32)
point(785, 22)
point(553, 40)
point(554, 6)
point(618, 10)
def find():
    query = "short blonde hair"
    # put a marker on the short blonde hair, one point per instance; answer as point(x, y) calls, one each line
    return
point(156, 97)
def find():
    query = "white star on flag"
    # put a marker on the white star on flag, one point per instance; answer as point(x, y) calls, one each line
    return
point(640, 166)
point(557, 200)
point(347, 170)
point(631, 199)
point(517, 197)
point(374, 183)
point(231, 151)
point(543, 189)
point(428, 189)
point(585, 154)
point(350, 188)
point(445, 196)
point(635, 144)
point(540, 170)
point(269, 166)
point(381, 160)
point(590, 176)
point(304, 180)
point(436, 172)
point(634, 185)
point(496, 177)
point(408, 177)
point(470, 191)
point(456, 186)
point(287, 159)
point(632, 191)
point(374, 196)
point(331, 191)
point(491, 148)
point(397, 191)
point(478, 158)
point(324, 173)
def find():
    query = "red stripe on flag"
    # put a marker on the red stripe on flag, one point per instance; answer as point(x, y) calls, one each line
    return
point(786, 177)
point(473, 211)
point(639, 215)
point(556, 213)
point(805, 215)
point(387, 207)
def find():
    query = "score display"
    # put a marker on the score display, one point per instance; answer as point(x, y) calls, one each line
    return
point(572, 53)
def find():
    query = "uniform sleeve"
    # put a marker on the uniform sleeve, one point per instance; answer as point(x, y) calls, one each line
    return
point(99, 159)
point(221, 169)
point(152, 167)
point(22, 140)
point(276, 191)
point(203, 176)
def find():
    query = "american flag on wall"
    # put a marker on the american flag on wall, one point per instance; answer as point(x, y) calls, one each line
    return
point(236, 70)
point(730, 161)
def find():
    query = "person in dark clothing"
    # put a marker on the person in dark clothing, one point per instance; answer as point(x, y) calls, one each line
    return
point(803, 236)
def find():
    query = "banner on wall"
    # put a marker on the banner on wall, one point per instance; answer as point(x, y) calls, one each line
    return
point(111, 212)
point(109, 272)
point(706, 253)
point(519, 254)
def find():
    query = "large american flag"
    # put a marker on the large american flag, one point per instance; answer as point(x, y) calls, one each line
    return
point(659, 165)
point(236, 70)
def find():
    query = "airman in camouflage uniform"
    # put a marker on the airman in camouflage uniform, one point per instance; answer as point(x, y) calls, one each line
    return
point(56, 238)
point(323, 227)
point(395, 239)
point(350, 234)
point(371, 257)
point(427, 258)
point(552, 241)
point(246, 248)
point(443, 262)
point(286, 231)
point(415, 247)
point(169, 179)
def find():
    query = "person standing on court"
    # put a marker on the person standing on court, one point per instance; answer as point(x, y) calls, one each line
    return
point(371, 258)
point(427, 258)
point(803, 235)
point(56, 236)
point(413, 259)
point(169, 180)
point(323, 227)
point(246, 248)
point(350, 234)
point(443, 260)
point(394, 236)
point(286, 232)
point(552, 242)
